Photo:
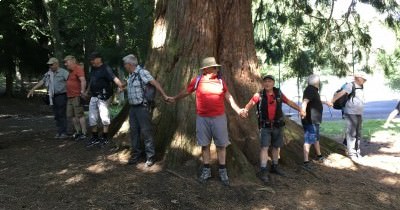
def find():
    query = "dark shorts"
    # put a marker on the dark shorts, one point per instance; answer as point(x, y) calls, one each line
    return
point(311, 133)
point(271, 136)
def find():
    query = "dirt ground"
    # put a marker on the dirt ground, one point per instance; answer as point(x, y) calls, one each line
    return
point(39, 172)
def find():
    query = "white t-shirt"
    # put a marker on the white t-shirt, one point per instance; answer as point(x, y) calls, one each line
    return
point(355, 105)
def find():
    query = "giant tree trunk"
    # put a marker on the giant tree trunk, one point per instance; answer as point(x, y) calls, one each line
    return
point(183, 34)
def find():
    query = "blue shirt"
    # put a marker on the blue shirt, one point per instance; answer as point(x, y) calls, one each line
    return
point(135, 89)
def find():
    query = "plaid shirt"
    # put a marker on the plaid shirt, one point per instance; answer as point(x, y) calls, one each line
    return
point(135, 89)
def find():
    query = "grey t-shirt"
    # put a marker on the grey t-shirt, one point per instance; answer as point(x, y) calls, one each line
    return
point(355, 105)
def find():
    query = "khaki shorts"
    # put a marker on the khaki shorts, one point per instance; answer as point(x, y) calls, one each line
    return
point(74, 107)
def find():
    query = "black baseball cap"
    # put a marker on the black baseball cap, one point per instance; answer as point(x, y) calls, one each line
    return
point(268, 77)
point(94, 55)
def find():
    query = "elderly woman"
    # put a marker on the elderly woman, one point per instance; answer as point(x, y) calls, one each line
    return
point(312, 106)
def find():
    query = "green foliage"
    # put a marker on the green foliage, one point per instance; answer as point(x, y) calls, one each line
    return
point(303, 36)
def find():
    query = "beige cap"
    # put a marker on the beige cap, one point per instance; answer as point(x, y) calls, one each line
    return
point(361, 74)
point(69, 57)
point(52, 61)
point(209, 62)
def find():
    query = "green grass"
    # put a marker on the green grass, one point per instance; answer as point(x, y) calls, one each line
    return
point(115, 109)
point(336, 128)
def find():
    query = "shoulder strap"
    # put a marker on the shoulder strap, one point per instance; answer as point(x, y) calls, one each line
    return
point(198, 78)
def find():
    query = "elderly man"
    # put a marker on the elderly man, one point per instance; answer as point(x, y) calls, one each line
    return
point(139, 113)
point(353, 112)
point(76, 85)
point(312, 106)
point(55, 81)
point(271, 122)
point(211, 121)
point(101, 77)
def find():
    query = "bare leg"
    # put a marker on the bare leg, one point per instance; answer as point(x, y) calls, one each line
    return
point(264, 156)
point(317, 148)
point(221, 153)
point(306, 151)
point(82, 122)
point(206, 154)
point(275, 155)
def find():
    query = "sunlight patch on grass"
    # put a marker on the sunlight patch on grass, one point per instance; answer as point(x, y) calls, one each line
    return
point(75, 179)
point(384, 198)
point(338, 161)
point(390, 180)
point(100, 167)
point(121, 156)
point(62, 172)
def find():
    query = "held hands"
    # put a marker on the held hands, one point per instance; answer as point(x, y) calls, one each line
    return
point(302, 114)
point(169, 99)
point(244, 113)
point(329, 103)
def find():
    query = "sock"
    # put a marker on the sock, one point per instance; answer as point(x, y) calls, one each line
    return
point(263, 165)
point(275, 162)
point(206, 165)
point(105, 135)
point(221, 166)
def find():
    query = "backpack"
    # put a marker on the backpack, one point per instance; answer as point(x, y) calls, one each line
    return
point(149, 91)
point(340, 103)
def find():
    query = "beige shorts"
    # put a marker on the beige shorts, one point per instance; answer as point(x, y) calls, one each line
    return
point(74, 107)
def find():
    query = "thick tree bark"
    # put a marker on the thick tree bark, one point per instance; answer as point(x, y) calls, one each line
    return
point(52, 15)
point(183, 34)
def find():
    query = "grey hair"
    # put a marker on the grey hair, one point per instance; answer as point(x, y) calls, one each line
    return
point(313, 79)
point(131, 59)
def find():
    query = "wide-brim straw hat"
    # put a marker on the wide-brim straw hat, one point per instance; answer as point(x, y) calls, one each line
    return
point(209, 62)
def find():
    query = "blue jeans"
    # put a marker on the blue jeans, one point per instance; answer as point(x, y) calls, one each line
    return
point(60, 112)
point(140, 125)
point(311, 133)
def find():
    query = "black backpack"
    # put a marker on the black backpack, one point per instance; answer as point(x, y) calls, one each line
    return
point(149, 92)
point(340, 103)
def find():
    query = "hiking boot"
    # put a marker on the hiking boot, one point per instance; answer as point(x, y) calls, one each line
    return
point(205, 174)
point(81, 137)
point(263, 175)
point(223, 175)
point(308, 166)
point(276, 170)
point(92, 142)
point(320, 158)
point(149, 162)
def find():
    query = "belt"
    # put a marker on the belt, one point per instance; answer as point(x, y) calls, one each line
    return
point(137, 105)
point(59, 94)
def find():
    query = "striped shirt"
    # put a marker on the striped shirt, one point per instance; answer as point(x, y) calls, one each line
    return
point(135, 89)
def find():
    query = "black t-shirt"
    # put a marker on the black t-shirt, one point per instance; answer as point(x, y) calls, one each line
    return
point(314, 106)
point(100, 80)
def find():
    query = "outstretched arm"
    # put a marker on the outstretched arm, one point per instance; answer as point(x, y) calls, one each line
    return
point(156, 84)
point(39, 84)
point(233, 104)
point(181, 95)
point(296, 107)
